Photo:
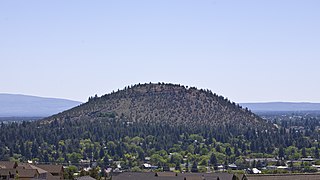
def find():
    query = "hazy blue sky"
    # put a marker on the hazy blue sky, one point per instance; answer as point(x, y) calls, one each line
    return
point(248, 51)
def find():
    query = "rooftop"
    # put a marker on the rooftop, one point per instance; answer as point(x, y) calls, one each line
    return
point(284, 177)
point(171, 176)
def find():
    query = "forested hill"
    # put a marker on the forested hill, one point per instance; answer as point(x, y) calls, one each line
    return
point(149, 120)
point(162, 103)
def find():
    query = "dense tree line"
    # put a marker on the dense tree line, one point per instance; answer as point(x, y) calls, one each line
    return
point(111, 138)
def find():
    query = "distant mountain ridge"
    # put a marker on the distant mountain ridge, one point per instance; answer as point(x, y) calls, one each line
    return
point(17, 105)
point(282, 106)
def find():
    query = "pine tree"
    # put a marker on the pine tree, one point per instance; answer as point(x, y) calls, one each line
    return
point(213, 159)
point(281, 153)
point(106, 161)
point(228, 151)
point(178, 168)
point(187, 166)
point(316, 153)
point(194, 167)
point(303, 152)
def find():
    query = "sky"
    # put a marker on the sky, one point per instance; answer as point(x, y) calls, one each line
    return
point(246, 50)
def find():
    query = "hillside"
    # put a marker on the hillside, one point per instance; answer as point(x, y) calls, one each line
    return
point(163, 103)
point(164, 122)
point(281, 106)
point(14, 105)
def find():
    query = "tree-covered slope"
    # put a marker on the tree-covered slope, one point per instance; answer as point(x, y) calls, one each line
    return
point(163, 103)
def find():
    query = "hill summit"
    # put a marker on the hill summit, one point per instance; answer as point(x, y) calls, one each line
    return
point(162, 103)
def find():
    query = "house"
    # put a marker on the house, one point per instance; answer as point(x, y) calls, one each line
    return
point(8, 165)
point(194, 178)
point(256, 171)
point(171, 176)
point(233, 166)
point(165, 174)
point(23, 174)
point(271, 167)
point(147, 159)
point(221, 168)
point(85, 178)
point(149, 166)
point(307, 159)
point(284, 177)
point(50, 172)
point(253, 171)
point(7, 174)
point(26, 171)
point(317, 167)
point(27, 174)
point(283, 167)
point(53, 170)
